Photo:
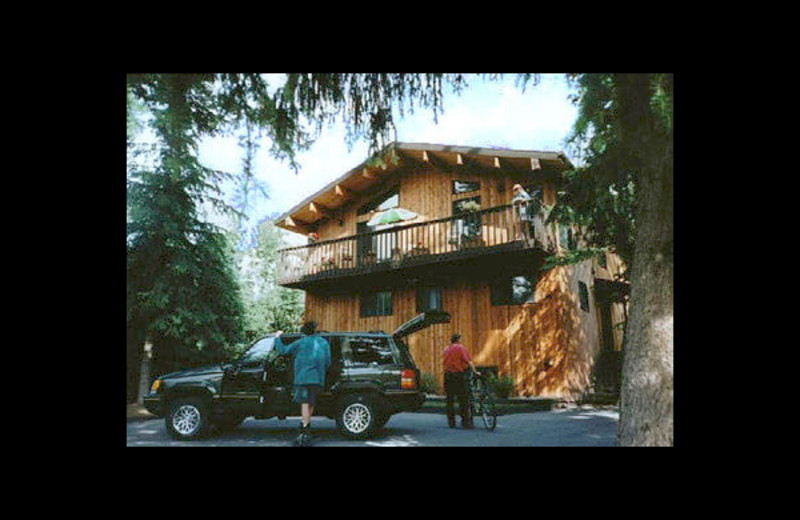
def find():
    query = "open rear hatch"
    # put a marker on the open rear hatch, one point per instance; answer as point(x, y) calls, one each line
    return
point(410, 377)
point(419, 322)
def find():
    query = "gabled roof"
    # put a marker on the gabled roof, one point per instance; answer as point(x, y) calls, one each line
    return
point(367, 176)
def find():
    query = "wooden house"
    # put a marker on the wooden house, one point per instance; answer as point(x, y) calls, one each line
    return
point(466, 251)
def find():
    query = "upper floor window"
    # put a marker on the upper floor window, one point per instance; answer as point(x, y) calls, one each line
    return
point(583, 294)
point(468, 224)
point(565, 237)
point(465, 187)
point(602, 261)
point(385, 201)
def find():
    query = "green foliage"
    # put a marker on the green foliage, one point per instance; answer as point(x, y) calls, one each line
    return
point(501, 386)
point(181, 288)
point(428, 383)
point(365, 101)
point(268, 307)
point(602, 193)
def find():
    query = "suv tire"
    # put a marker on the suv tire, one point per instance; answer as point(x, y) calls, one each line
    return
point(357, 417)
point(187, 418)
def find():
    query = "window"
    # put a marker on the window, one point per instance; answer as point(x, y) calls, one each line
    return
point(513, 290)
point(534, 191)
point(565, 236)
point(465, 187)
point(468, 226)
point(583, 292)
point(463, 206)
point(383, 202)
point(376, 304)
point(367, 351)
point(429, 299)
point(258, 353)
point(602, 260)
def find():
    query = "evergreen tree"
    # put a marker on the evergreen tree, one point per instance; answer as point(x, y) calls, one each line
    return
point(182, 292)
point(623, 195)
point(627, 120)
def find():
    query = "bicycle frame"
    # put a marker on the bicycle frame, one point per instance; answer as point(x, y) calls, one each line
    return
point(481, 401)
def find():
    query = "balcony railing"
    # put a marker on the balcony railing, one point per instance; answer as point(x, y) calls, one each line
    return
point(467, 234)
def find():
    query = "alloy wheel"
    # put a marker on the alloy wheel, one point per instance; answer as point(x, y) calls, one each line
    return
point(357, 418)
point(186, 419)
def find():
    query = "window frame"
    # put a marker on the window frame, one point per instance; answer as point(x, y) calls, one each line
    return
point(423, 297)
point(583, 296)
point(376, 202)
point(469, 183)
point(501, 290)
point(370, 304)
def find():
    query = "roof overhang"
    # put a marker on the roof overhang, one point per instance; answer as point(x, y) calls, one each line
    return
point(371, 176)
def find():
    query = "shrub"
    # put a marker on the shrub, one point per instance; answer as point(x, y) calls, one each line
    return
point(502, 386)
point(428, 383)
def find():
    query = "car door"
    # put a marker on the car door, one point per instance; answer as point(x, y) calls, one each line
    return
point(242, 381)
point(276, 385)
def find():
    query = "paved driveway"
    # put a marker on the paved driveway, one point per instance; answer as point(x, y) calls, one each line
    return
point(568, 427)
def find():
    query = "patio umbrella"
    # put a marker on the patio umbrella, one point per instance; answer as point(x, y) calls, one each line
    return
point(391, 216)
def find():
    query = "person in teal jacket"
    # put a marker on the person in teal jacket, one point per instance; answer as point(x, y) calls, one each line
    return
point(312, 356)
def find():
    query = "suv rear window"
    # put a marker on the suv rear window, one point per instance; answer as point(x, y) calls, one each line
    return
point(367, 351)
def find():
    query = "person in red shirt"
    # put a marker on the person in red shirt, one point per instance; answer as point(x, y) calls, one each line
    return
point(456, 359)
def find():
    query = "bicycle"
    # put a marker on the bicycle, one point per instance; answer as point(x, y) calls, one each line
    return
point(481, 401)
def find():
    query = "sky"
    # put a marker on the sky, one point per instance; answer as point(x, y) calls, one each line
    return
point(487, 114)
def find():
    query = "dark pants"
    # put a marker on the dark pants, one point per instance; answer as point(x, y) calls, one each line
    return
point(455, 385)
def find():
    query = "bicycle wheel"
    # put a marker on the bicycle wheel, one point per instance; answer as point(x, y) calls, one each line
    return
point(474, 401)
point(487, 410)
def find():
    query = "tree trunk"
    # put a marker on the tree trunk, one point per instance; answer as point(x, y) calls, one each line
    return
point(144, 372)
point(646, 404)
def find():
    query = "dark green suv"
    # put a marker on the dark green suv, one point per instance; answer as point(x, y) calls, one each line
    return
point(371, 377)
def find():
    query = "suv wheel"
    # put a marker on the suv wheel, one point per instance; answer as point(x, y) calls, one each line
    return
point(357, 417)
point(187, 418)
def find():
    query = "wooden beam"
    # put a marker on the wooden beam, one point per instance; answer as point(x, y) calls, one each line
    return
point(315, 208)
point(342, 192)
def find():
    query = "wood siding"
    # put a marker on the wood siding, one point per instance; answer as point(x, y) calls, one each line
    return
point(428, 192)
point(547, 347)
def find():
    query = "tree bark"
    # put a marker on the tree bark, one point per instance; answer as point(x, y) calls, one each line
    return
point(144, 372)
point(646, 403)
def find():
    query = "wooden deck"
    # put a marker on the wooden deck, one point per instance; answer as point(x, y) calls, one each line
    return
point(411, 247)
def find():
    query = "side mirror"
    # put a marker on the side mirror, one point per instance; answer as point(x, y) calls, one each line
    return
point(230, 368)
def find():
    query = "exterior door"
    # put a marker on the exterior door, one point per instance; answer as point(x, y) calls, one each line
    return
point(364, 245)
point(608, 366)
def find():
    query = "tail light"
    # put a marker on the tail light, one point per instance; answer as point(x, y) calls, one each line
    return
point(408, 379)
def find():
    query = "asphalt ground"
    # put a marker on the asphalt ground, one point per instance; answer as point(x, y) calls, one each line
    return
point(584, 426)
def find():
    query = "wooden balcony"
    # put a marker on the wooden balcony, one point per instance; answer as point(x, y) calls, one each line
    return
point(408, 249)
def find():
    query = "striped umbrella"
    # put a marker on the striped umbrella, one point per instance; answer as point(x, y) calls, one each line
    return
point(391, 216)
